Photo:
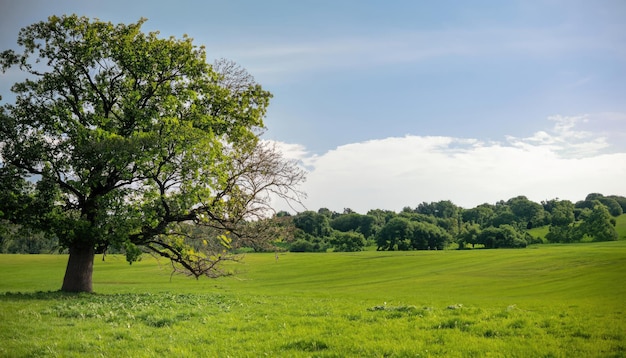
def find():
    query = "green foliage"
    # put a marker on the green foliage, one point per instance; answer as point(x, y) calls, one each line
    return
point(426, 236)
point(469, 235)
point(347, 241)
point(312, 223)
point(517, 222)
point(598, 224)
point(504, 236)
point(363, 224)
point(131, 135)
point(614, 204)
point(481, 215)
point(564, 233)
point(562, 213)
point(395, 235)
point(402, 234)
point(563, 227)
point(528, 214)
point(15, 239)
point(441, 209)
point(302, 245)
point(614, 208)
point(620, 200)
point(133, 253)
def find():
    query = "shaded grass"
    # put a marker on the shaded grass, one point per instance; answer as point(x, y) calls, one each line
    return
point(554, 300)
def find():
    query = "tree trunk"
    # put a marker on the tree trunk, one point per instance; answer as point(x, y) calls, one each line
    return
point(78, 274)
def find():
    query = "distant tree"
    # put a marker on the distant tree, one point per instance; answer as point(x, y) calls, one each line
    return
point(366, 226)
point(381, 217)
point(346, 222)
point(504, 216)
point(612, 206)
point(598, 224)
point(562, 213)
point(312, 223)
point(620, 200)
point(468, 235)
point(588, 203)
point(418, 217)
point(584, 204)
point(451, 225)
point(504, 236)
point(426, 236)
point(441, 209)
point(548, 205)
point(593, 196)
point(562, 226)
point(528, 213)
point(15, 239)
point(302, 245)
point(481, 215)
point(488, 237)
point(326, 212)
point(395, 235)
point(347, 241)
point(564, 234)
point(363, 224)
point(304, 242)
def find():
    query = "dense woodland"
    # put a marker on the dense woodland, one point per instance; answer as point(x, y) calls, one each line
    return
point(429, 226)
point(442, 224)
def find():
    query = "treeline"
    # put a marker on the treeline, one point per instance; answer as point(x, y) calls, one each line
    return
point(438, 225)
point(429, 226)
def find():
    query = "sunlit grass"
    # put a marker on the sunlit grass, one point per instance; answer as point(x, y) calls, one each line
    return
point(550, 300)
point(620, 226)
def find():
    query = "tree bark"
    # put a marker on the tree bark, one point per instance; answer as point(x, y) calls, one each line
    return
point(78, 274)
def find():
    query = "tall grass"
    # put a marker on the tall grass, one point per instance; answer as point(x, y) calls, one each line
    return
point(544, 301)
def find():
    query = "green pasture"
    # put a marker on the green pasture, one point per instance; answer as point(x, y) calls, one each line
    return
point(620, 226)
point(543, 301)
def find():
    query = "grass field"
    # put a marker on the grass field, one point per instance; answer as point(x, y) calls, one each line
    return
point(543, 301)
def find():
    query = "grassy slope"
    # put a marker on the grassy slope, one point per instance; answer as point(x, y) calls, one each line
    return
point(550, 300)
point(620, 226)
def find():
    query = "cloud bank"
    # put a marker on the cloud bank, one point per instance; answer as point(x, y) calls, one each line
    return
point(395, 172)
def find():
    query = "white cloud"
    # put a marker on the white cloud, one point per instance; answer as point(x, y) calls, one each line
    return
point(566, 139)
point(395, 172)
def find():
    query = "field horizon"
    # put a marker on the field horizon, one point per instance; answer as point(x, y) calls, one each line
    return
point(545, 300)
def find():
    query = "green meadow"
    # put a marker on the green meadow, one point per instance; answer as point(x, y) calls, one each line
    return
point(543, 301)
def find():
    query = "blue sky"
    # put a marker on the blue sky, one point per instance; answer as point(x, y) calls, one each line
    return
point(392, 103)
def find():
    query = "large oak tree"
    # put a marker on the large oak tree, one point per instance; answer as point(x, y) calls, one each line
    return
point(130, 138)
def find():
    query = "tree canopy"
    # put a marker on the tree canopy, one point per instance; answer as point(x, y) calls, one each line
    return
point(130, 137)
point(442, 224)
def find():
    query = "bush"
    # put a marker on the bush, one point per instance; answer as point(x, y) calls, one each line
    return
point(303, 245)
point(347, 241)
